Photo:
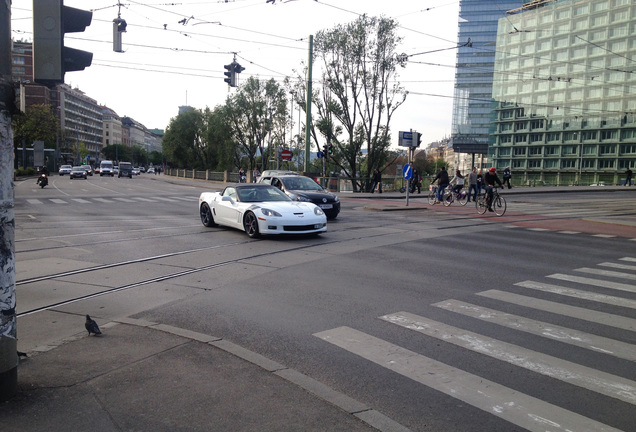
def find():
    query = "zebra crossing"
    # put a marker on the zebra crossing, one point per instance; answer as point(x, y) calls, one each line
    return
point(113, 200)
point(516, 407)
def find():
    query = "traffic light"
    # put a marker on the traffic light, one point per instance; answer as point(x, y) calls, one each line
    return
point(119, 27)
point(51, 59)
point(330, 149)
point(418, 138)
point(238, 68)
point(231, 76)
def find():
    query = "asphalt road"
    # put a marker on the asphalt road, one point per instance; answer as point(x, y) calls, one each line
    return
point(438, 318)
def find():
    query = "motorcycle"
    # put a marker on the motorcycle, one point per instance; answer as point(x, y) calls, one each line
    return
point(43, 180)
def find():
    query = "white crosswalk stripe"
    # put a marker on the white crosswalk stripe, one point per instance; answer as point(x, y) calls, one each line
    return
point(511, 405)
point(34, 201)
point(514, 406)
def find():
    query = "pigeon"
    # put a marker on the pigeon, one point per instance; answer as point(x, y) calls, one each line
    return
point(91, 326)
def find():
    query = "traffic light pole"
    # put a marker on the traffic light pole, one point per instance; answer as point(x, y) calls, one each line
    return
point(8, 327)
point(308, 106)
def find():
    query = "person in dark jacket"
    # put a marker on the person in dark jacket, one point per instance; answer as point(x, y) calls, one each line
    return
point(442, 181)
point(507, 176)
point(377, 181)
point(490, 179)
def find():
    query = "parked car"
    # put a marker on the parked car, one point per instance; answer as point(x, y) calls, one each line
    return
point(301, 188)
point(136, 171)
point(268, 173)
point(260, 209)
point(65, 169)
point(78, 172)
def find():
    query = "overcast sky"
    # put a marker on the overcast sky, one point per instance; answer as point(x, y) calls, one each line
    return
point(175, 52)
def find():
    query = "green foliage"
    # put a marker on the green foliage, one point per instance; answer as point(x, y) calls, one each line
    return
point(25, 171)
point(357, 100)
point(37, 124)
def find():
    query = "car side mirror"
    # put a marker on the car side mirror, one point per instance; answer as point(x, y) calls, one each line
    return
point(227, 198)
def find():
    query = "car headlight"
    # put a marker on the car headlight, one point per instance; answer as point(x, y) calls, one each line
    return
point(335, 198)
point(298, 197)
point(318, 211)
point(270, 213)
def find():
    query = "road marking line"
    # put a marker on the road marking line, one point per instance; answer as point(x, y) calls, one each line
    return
point(618, 266)
point(537, 229)
point(594, 282)
point(562, 334)
point(34, 201)
point(103, 200)
point(57, 201)
point(165, 199)
point(81, 201)
point(522, 410)
point(126, 200)
point(189, 199)
point(609, 273)
point(553, 367)
point(569, 232)
point(561, 309)
point(603, 235)
point(628, 259)
point(143, 199)
point(586, 295)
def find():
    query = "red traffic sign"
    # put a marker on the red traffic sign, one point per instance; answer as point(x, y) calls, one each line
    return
point(286, 154)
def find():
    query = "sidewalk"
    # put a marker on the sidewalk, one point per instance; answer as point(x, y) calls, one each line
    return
point(141, 376)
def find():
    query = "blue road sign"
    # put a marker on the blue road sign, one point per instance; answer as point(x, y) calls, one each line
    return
point(407, 172)
point(319, 154)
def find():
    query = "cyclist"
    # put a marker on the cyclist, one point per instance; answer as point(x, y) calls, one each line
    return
point(490, 179)
point(442, 182)
point(458, 181)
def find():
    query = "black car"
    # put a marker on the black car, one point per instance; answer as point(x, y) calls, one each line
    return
point(301, 188)
point(78, 172)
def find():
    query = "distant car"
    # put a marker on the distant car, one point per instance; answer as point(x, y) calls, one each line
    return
point(142, 169)
point(301, 188)
point(116, 170)
point(260, 209)
point(78, 172)
point(150, 170)
point(88, 169)
point(125, 170)
point(135, 171)
point(267, 173)
point(96, 170)
point(65, 169)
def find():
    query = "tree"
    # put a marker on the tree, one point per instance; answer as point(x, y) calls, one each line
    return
point(37, 124)
point(257, 118)
point(359, 92)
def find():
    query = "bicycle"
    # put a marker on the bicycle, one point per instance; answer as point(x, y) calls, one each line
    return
point(432, 194)
point(451, 195)
point(498, 203)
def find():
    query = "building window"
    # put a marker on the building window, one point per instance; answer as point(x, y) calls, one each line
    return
point(504, 139)
point(589, 150)
point(568, 150)
point(534, 138)
point(521, 125)
point(519, 151)
point(568, 163)
point(506, 114)
point(534, 151)
point(521, 138)
point(536, 163)
point(628, 149)
point(606, 149)
point(551, 150)
point(18, 60)
point(589, 163)
point(606, 164)
point(554, 136)
point(588, 135)
point(609, 135)
point(107, 141)
point(536, 124)
point(551, 163)
point(505, 127)
point(571, 136)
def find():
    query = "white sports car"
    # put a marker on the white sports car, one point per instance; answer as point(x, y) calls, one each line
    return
point(260, 209)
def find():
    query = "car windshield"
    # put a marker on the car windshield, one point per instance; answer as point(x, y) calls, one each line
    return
point(261, 194)
point(78, 168)
point(301, 183)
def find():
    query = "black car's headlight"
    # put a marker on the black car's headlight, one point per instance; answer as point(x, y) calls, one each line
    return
point(270, 213)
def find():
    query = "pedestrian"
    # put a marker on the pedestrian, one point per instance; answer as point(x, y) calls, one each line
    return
point(507, 176)
point(256, 174)
point(442, 181)
point(416, 182)
point(242, 176)
point(628, 177)
point(377, 180)
point(472, 181)
point(480, 181)
point(458, 180)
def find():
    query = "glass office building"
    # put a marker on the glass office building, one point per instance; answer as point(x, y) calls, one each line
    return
point(477, 34)
point(565, 91)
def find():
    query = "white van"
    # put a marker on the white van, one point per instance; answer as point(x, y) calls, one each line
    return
point(106, 168)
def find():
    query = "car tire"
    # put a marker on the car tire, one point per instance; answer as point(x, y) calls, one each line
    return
point(206, 215)
point(250, 224)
